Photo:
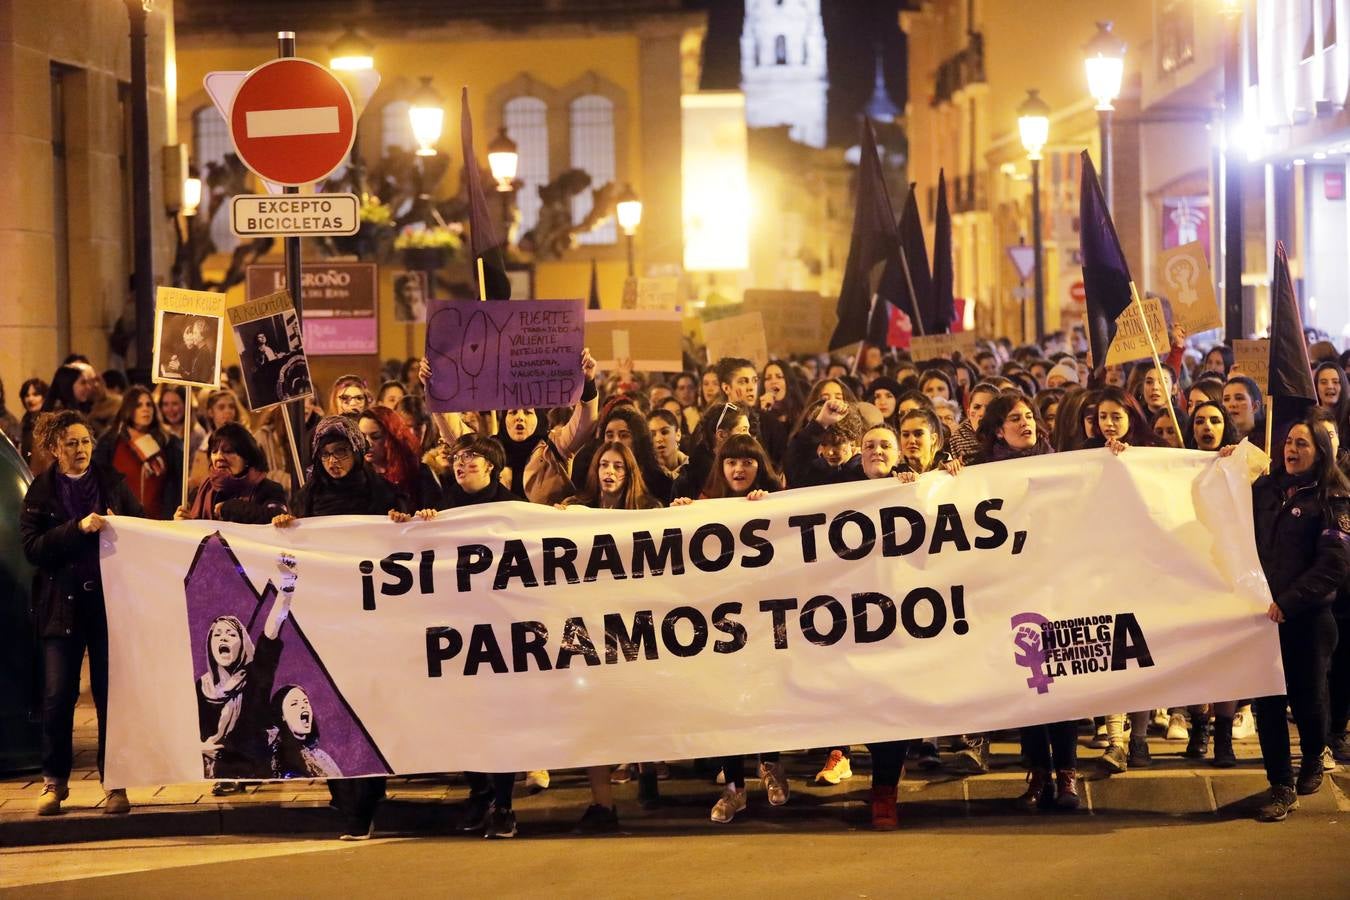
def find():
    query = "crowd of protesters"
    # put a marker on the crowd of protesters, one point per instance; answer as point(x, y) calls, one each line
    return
point(98, 445)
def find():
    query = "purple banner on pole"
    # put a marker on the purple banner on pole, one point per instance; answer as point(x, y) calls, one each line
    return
point(499, 354)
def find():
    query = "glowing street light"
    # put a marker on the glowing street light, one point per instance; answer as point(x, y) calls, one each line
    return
point(503, 160)
point(427, 116)
point(628, 210)
point(351, 53)
point(1033, 124)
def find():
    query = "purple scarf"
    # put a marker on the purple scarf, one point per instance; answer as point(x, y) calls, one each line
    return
point(79, 496)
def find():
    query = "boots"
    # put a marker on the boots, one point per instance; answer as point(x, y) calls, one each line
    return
point(1040, 793)
point(1198, 745)
point(1224, 757)
point(1066, 786)
point(649, 794)
point(885, 816)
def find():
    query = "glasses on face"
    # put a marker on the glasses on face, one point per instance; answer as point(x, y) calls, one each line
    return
point(352, 397)
point(337, 454)
point(466, 457)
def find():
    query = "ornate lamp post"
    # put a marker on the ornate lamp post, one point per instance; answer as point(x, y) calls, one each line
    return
point(628, 210)
point(1033, 124)
point(1105, 64)
point(504, 160)
point(427, 115)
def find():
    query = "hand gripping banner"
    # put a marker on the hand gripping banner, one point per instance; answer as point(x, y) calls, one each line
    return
point(511, 637)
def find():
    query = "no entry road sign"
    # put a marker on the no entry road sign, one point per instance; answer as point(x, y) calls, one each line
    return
point(292, 121)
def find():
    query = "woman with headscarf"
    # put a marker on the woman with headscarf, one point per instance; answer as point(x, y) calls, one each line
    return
point(150, 458)
point(63, 512)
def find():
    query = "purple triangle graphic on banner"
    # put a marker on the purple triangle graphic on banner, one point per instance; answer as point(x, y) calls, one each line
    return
point(247, 714)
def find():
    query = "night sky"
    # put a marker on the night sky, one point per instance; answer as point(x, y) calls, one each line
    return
point(852, 30)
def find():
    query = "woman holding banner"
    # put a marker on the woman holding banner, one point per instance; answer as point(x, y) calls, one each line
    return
point(237, 488)
point(63, 512)
point(1302, 517)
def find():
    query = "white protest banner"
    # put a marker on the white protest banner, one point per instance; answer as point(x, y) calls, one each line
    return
point(511, 636)
point(739, 336)
point(651, 338)
point(1189, 284)
point(500, 354)
point(1252, 358)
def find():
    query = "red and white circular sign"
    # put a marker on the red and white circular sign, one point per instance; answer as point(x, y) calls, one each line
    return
point(292, 121)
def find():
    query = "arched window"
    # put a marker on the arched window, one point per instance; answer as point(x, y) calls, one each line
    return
point(526, 121)
point(591, 121)
point(211, 144)
point(396, 127)
point(780, 50)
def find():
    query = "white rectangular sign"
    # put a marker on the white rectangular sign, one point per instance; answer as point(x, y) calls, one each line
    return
point(511, 636)
point(305, 215)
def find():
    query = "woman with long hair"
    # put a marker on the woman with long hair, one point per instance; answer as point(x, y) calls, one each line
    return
point(1333, 394)
point(395, 456)
point(294, 737)
point(148, 456)
point(32, 393)
point(63, 512)
point(884, 393)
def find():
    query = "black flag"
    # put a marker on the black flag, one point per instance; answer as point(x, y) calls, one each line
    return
point(944, 276)
point(594, 301)
point(482, 236)
point(1106, 277)
point(921, 302)
point(875, 241)
point(1290, 376)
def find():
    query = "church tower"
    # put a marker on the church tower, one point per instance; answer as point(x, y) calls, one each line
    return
point(783, 71)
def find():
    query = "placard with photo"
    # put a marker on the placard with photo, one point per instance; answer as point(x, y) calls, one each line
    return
point(410, 296)
point(271, 351)
point(188, 334)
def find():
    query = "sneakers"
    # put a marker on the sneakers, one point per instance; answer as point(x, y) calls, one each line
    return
point(837, 768)
point(116, 803)
point(1310, 778)
point(1099, 740)
point(536, 781)
point(928, 756)
point(501, 823)
point(1340, 748)
point(622, 774)
point(974, 759)
point(358, 830)
point(1224, 757)
point(1244, 723)
point(885, 817)
point(1114, 760)
point(1066, 789)
point(49, 804)
point(731, 802)
point(1139, 756)
point(1281, 803)
point(1328, 760)
point(1176, 728)
point(775, 783)
point(598, 820)
point(649, 794)
point(1160, 720)
point(475, 814)
point(226, 788)
point(1040, 793)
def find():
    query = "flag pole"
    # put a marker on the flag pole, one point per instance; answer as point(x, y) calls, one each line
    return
point(1153, 348)
point(857, 357)
point(1270, 428)
point(917, 324)
point(482, 282)
point(187, 440)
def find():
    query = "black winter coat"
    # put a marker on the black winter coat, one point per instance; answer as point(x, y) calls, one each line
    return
point(1304, 545)
point(804, 467)
point(60, 552)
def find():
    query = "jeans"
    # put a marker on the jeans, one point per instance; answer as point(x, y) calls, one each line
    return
point(1051, 747)
point(1306, 645)
point(61, 657)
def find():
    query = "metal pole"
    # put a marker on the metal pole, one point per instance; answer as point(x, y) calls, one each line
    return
point(1233, 164)
point(295, 410)
point(142, 232)
point(1039, 245)
point(1108, 153)
point(630, 255)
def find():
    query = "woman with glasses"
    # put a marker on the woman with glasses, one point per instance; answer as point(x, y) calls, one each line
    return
point(63, 512)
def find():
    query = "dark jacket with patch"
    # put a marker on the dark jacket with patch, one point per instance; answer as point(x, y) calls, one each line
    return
point(1304, 545)
point(65, 557)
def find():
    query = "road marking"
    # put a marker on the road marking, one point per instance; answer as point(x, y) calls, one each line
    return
point(266, 123)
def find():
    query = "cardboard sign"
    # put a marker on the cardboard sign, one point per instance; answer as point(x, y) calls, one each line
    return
point(1252, 358)
point(1184, 275)
point(650, 338)
point(188, 337)
point(942, 346)
point(794, 321)
point(741, 336)
point(658, 293)
point(271, 351)
point(497, 354)
point(1132, 341)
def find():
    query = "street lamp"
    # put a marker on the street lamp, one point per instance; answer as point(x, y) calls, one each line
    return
point(427, 117)
point(1233, 165)
point(1105, 64)
point(353, 53)
point(1033, 123)
point(628, 210)
point(503, 160)
point(192, 195)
